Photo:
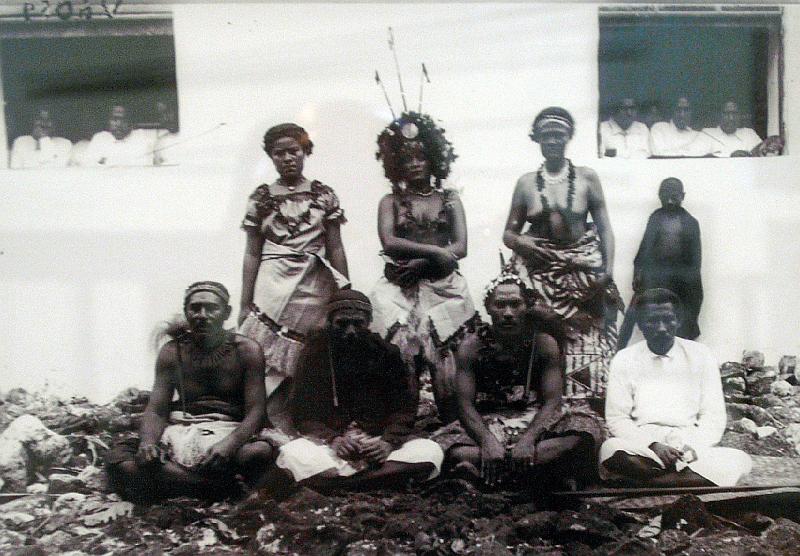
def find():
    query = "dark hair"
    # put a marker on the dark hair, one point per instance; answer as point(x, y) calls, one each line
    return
point(291, 130)
point(411, 127)
point(556, 111)
point(216, 288)
point(527, 293)
point(658, 296)
point(667, 181)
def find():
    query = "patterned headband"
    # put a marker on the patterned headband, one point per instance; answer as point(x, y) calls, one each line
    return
point(553, 121)
point(506, 277)
point(214, 287)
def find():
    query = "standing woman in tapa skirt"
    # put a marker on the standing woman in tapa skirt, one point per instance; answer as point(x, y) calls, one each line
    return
point(422, 301)
point(293, 262)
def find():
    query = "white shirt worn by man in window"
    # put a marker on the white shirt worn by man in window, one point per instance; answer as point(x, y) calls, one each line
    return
point(676, 137)
point(40, 149)
point(120, 145)
point(665, 409)
point(621, 136)
point(728, 138)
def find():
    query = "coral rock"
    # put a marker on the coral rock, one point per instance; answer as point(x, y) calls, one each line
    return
point(744, 425)
point(733, 385)
point(782, 388)
point(786, 414)
point(764, 432)
point(59, 483)
point(757, 414)
point(753, 359)
point(584, 528)
point(787, 365)
point(539, 525)
point(687, 513)
point(792, 434)
point(784, 535)
point(759, 383)
point(28, 447)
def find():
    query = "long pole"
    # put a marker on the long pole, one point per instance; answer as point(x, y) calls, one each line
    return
point(397, 68)
point(653, 491)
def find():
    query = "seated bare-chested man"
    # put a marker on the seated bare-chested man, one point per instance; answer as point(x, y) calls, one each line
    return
point(514, 424)
point(197, 444)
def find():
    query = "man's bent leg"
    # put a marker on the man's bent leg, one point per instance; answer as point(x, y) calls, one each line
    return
point(253, 460)
point(683, 478)
point(632, 466)
point(391, 474)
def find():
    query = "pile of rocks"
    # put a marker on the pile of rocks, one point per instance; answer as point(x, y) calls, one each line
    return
point(48, 445)
point(54, 497)
point(763, 404)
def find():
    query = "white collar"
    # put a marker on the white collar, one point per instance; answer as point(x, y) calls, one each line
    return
point(668, 356)
point(689, 129)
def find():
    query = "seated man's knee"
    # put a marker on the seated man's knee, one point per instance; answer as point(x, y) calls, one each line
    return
point(461, 454)
point(255, 453)
point(623, 463)
point(131, 482)
point(422, 471)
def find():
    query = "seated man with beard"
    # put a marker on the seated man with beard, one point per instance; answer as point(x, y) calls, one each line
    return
point(514, 424)
point(196, 445)
point(354, 403)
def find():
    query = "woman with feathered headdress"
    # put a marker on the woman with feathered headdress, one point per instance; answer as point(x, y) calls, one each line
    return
point(422, 300)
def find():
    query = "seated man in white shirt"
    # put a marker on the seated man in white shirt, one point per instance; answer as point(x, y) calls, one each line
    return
point(677, 138)
point(40, 149)
point(168, 150)
point(119, 145)
point(622, 136)
point(665, 409)
point(728, 139)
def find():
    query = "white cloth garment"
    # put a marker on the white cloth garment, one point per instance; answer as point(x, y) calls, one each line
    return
point(723, 144)
point(667, 140)
point(135, 149)
point(633, 142)
point(675, 399)
point(189, 438)
point(304, 458)
point(47, 152)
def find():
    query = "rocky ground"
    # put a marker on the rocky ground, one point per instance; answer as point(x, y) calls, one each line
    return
point(54, 498)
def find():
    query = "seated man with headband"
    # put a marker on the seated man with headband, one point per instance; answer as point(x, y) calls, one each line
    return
point(354, 402)
point(514, 423)
point(197, 444)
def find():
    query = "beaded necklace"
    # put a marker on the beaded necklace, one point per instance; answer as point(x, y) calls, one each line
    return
point(544, 178)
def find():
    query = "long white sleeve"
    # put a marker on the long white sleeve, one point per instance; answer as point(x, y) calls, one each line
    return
point(620, 401)
point(712, 417)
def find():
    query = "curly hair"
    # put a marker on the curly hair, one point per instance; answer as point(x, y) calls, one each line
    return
point(409, 127)
point(290, 130)
point(509, 277)
point(555, 113)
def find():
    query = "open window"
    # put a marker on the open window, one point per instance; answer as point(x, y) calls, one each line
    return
point(78, 70)
point(655, 54)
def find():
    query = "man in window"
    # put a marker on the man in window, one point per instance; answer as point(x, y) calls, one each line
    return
point(676, 138)
point(40, 149)
point(167, 149)
point(622, 136)
point(728, 139)
point(120, 144)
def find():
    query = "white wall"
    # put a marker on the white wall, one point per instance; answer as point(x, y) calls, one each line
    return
point(90, 260)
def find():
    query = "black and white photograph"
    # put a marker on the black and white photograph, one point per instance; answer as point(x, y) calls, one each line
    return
point(399, 278)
